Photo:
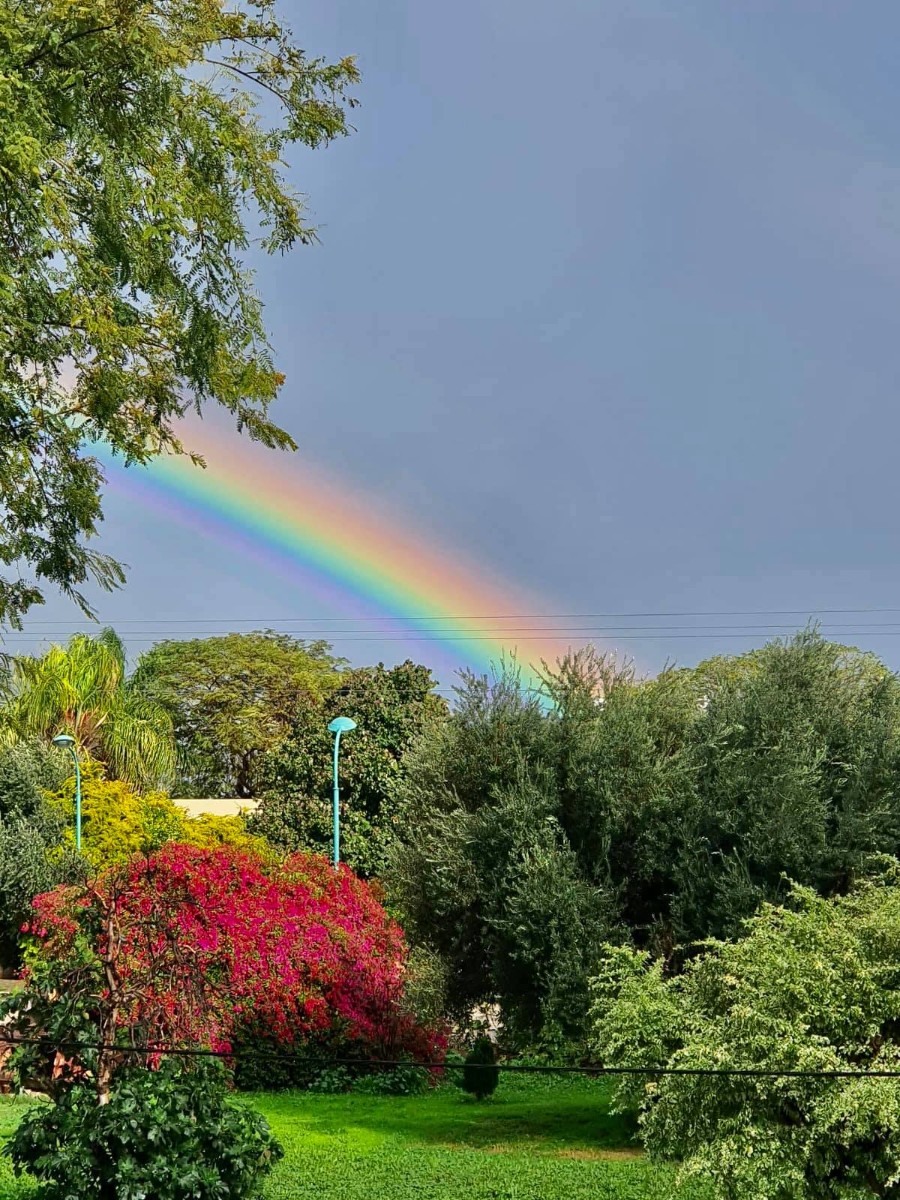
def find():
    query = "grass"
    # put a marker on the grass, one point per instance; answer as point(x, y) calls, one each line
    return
point(11, 1110)
point(535, 1140)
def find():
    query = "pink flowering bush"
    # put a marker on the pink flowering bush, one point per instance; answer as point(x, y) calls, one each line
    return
point(198, 946)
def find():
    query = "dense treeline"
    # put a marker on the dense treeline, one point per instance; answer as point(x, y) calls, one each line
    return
point(239, 715)
point(660, 812)
point(515, 834)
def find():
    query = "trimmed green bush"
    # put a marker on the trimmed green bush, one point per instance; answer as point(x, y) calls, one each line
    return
point(481, 1074)
point(172, 1134)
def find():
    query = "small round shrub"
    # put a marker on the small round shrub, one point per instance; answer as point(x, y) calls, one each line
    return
point(481, 1074)
point(171, 1133)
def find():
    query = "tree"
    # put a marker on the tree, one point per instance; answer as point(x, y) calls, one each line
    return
point(33, 855)
point(196, 947)
point(142, 141)
point(232, 699)
point(81, 689)
point(32, 860)
point(28, 769)
point(482, 870)
point(810, 987)
point(624, 779)
point(391, 707)
point(796, 757)
point(669, 807)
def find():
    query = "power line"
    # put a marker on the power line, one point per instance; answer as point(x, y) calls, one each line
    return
point(604, 630)
point(607, 616)
point(439, 1064)
point(549, 634)
point(457, 632)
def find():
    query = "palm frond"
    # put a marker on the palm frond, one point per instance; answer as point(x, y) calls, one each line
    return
point(138, 741)
point(81, 689)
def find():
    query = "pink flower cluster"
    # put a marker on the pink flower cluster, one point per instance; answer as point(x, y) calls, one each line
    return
point(196, 945)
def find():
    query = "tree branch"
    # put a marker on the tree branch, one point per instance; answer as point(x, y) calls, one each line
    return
point(73, 37)
point(215, 62)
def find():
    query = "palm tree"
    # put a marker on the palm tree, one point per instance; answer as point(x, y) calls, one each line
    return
point(81, 689)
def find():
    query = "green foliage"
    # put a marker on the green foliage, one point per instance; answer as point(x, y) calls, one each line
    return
point(623, 779)
point(81, 689)
point(391, 708)
point(425, 994)
point(554, 1140)
point(337, 1080)
point(637, 1015)
point(232, 699)
point(480, 1075)
point(33, 858)
point(528, 835)
point(796, 761)
point(399, 1081)
point(171, 1133)
point(32, 861)
point(27, 770)
point(142, 143)
point(118, 823)
point(264, 1064)
point(811, 987)
point(485, 875)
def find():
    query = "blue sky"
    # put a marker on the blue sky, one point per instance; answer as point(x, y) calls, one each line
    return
point(607, 298)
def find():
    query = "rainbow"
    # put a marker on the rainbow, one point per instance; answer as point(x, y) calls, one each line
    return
point(361, 560)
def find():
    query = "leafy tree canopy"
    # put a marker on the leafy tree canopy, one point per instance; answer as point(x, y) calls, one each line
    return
point(391, 707)
point(484, 873)
point(231, 700)
point(28, 769)
point(81, 689)
point(670, 808)
point(141, 142)
point(809, 987)
point(33, 856)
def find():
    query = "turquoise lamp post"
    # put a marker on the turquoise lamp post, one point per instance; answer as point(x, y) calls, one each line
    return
point(338, 726)
point(67, 742)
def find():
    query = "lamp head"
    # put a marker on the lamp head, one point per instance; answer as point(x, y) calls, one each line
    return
point(65, 740)
point(341, 725)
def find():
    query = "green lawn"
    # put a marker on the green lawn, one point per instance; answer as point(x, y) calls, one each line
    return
point(535, 1140)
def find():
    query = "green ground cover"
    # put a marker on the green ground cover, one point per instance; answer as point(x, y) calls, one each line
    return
point(535, 1140)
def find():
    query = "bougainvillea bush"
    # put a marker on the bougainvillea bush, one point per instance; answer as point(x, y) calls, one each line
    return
point(198, 947)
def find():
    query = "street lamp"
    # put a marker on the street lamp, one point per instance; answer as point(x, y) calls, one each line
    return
point(338, 726)
point(67, 742)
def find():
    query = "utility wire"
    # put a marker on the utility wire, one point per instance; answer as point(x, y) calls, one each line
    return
point(368, 639)
point(733, 612)
point(520, 1068)
point(448, 630)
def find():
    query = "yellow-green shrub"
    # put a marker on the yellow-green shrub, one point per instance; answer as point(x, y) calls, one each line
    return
point(210, 831)
point(117, 823)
